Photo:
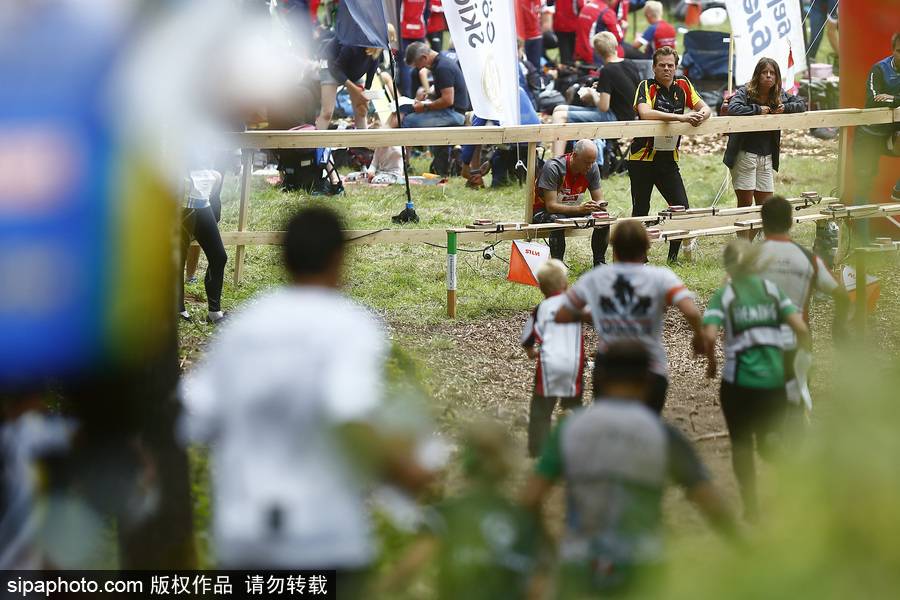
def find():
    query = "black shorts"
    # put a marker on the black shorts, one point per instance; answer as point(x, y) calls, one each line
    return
point(754, 411)
point(662, 173)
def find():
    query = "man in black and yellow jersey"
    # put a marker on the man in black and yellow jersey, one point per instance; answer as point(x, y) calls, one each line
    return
point(654, 160)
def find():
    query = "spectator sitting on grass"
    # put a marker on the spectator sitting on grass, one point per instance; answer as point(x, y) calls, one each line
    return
point(659, 33)
point(386, 165)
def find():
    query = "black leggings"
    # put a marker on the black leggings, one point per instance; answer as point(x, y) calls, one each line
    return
point(665, 175)
point(566, 46)
point(200, 224)
point(557, 239)
point(752, 413)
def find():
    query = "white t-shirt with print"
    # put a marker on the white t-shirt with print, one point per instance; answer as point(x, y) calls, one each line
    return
point(561, 359)
point(628, 301)
point(268, 398)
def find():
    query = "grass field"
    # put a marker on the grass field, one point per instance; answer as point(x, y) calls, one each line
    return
point(823, 532)
point(832, 534)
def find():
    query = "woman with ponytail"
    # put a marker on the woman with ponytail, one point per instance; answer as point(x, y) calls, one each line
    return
point(753, 156)
point(751, 311)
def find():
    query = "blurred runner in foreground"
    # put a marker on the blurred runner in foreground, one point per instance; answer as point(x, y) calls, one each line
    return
point(289, 400)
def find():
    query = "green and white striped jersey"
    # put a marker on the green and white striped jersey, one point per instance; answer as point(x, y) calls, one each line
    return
point(751, 311)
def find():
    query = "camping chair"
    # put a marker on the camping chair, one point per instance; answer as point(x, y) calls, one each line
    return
point(705, 63)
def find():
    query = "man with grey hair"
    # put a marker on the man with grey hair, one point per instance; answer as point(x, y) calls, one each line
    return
point(447, 104)
point(558, 190)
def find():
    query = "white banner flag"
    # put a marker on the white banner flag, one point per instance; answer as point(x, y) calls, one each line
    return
point(484, 35)
point(766, 28)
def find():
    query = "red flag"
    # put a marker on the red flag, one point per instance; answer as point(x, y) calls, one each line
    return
point(787, 81)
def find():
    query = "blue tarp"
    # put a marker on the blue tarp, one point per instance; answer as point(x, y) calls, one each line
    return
point(362, 23)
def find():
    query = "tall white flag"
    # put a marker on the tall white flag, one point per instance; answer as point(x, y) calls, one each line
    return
point(484, 35)
point(766, 28)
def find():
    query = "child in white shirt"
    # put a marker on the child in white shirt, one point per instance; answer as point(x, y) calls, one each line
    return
point(559, 348)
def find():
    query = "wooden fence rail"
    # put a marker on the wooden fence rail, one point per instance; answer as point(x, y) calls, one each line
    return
point(530, 134)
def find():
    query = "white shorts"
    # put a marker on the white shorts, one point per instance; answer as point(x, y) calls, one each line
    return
point(753, 172)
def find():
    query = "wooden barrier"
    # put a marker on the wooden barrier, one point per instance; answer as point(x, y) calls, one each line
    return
point(437, 136)
point(862, 275)
point(530, 134)
point(682, 226)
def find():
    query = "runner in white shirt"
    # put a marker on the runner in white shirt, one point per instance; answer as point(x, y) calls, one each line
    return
point(559, 348)
point(287, 398)
point(795, 269)
point(628, 300)
point(798, 272)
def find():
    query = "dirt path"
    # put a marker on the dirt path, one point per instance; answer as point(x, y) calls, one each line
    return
point(477, 370)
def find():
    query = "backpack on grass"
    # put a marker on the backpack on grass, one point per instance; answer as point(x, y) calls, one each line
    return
point(309, 170)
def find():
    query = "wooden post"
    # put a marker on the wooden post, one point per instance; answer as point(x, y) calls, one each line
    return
point(451, 274)
point(529, 181)
point(843, 148)
point(861, 277)
point(244, 212)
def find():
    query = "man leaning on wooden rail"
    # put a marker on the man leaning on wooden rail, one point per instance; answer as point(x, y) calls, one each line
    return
point(654, 160)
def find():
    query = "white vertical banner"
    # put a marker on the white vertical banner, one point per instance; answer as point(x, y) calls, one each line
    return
point(484, 35)
point(766, 28)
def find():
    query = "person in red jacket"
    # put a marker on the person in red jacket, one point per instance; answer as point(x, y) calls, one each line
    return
point(528, 29)
point(659, 33)
point(565, 23)
point(621, 8)
point(596, 17)
point(412, 29)
point(435, 26)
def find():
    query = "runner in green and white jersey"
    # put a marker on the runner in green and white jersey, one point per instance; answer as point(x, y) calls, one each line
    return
point(751, 310)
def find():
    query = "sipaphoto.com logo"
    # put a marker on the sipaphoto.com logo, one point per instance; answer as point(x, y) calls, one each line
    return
point(490, 82)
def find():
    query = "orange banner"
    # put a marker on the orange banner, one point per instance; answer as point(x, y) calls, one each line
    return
point(865, 30)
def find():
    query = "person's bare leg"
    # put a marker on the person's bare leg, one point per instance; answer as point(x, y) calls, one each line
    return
point(329, 95)
point(758, 198)
point(193, 259)
point(361, 114)
point(831, 30)
point(475, 163)
point(560, 115)
point(744, 198)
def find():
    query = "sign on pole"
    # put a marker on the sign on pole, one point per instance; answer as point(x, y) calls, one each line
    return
point(484, 36)
point(766, 28)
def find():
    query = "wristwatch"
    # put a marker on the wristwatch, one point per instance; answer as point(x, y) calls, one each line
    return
point(425, 106)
